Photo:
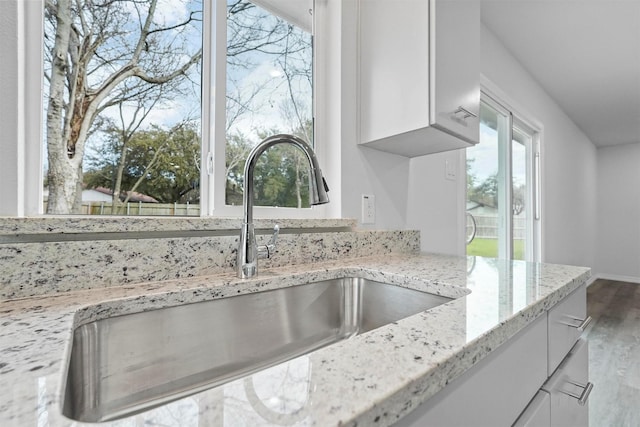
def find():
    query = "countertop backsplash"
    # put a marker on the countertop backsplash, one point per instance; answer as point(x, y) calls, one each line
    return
point(44, 256)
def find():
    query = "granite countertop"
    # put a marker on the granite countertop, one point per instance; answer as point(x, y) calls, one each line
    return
point(369, 379)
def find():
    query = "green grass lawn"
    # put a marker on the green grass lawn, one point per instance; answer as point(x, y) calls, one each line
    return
point(489, 248)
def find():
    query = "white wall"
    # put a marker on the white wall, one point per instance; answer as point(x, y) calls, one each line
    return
point(618, 236)
point(363, 170)
point(568, 169)
point(568, 160)
point(435, 204)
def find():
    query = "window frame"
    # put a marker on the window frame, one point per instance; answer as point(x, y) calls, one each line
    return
point(505, 219)
point(213, 178)
point(22, 161)
point(30, 150)
point(520, 118)
point(533, 196)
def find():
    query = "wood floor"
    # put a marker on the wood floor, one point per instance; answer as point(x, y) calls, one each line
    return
point(614, 353)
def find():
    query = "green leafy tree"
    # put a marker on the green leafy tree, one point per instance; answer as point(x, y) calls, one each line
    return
point(471, 177)
point(236, 153)
point(281, 176)
point(487, 191)
point(164, 164)
point(518, 198)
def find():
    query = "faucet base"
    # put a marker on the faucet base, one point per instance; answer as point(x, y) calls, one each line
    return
point(247, 257)
point(248, 271)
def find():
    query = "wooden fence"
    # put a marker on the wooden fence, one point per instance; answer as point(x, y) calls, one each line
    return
point(139, 209)
point(487, 227)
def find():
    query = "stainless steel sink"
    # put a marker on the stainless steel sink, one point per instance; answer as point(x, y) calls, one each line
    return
point(123, 365)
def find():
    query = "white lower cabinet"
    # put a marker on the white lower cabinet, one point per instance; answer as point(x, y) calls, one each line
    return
point(493, 392)
point(538, 378)
point(538, 412)
point(569, 389)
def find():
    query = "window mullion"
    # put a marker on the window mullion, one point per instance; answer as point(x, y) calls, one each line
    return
point(509, 186)
point(212, 171)
point(505, 228)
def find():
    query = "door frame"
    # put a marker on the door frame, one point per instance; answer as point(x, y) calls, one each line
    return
point(520, 115)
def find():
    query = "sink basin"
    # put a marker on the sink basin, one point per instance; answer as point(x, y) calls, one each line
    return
point(123, 365)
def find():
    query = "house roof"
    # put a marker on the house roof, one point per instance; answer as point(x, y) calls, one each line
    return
point(134, 196)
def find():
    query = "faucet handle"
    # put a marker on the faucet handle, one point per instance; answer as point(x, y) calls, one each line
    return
point(271, 246)
point(265, 251)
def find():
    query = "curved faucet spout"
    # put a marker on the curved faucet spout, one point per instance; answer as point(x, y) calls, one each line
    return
point(247, 257)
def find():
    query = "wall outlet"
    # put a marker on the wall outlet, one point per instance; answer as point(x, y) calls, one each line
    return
point(368, 209)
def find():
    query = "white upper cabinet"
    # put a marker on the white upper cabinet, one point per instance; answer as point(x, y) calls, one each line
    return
point(419, 75)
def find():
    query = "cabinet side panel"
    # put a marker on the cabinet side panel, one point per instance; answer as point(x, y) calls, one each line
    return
point(394, 63)
point(455, 66)
point(563, 319)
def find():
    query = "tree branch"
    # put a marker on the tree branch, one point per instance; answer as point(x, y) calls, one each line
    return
point(140, 73)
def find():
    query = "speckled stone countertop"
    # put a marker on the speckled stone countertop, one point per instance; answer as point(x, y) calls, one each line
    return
point(109, 224)
point(369, 379)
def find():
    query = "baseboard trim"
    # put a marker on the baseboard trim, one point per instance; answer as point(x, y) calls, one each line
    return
point(616, 277)
point(591, 279)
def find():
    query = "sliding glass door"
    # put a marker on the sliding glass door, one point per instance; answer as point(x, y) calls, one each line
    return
point(524, 182)
point(502, 190)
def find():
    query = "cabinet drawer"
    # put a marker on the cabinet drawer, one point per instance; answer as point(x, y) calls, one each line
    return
point(569, 388)
point(494, 391)
point(566, 323)
point(537, 413)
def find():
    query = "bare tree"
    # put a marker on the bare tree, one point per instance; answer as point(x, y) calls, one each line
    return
point(253, 36)
point(128, 127)
point(301, 125)
point(104, 53)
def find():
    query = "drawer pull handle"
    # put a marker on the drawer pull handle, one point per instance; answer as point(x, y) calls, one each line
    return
point(583, 324)
point(466, 112)
point(584, 396)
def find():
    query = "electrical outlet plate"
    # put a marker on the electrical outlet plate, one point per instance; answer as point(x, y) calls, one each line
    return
point(368, 209)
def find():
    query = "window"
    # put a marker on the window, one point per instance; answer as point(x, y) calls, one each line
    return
point(502, 186)
point(269, 91)
point(125, 85)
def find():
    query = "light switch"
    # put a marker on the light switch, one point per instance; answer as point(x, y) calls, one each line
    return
point(450, 171)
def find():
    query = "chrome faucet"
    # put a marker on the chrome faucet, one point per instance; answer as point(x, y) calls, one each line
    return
point(248, 250)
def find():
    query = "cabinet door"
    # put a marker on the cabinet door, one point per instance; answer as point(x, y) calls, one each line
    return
point(455, 67)
point(538, 412)
point(419, 75)
point(394, 64)
point(569, 389)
